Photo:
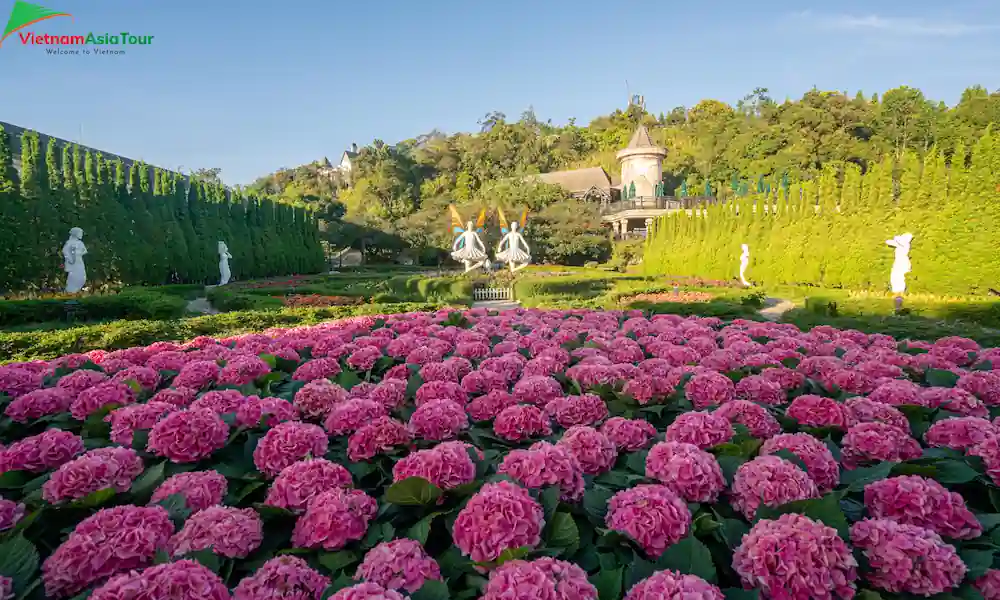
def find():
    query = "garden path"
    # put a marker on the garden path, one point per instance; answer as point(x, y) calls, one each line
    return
point(201, 306)
point(775, 308)
point(498, 305)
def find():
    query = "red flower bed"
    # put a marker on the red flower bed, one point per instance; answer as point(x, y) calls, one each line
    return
point(318, 300)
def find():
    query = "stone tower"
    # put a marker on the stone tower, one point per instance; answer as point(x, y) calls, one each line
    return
point(642, 165)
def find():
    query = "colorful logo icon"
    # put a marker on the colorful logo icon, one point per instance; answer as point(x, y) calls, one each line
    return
point(25, 14)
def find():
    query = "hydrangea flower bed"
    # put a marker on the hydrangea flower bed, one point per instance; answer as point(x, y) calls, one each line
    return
point(533, 455)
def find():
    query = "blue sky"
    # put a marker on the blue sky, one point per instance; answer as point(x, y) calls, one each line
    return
point(252, 86)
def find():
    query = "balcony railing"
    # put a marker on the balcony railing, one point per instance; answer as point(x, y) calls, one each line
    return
point(656, 203)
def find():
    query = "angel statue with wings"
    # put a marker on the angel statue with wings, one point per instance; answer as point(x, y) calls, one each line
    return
point(513, 248)
point(468, 248)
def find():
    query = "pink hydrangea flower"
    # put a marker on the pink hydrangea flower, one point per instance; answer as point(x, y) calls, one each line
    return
point(447, 465)
point(177, 396)
point(592, 449)
point(989, 585)
point(367, 591)
point(500, 516)
point(317, 398)
point(537, 390)
point(197, 374)
point(702, 429)
point(271, 410)
point(788, 379)
point(364, 358)
point(436, 390)
point(873, 442)
point(817, 411)
point(78, 381)
point(125, 421)
point(381, 435)
point(820, 464)
point(959, 433)
point(629, 435)
point(398, 565)
point(482, 382)
point(907, 558)
point(148, 379)
point(796, 558)
point(439, 372)
point(545, 464)
point(200, 489)
point(955, 400)
point(652, 515)
point(287, 443)
point(334, 518)
point(586, 409)
point(669, 584)
point(922, 502)
point(761, 389)
point(754, 417)
point(709, 389)
point(438, 420)
point(38, 453)
point(488, 406)
point(689, 471)
point(391, 393)
point(282, 578)
point(863, 410)
point(989, 451)
point(543, 578)
point(112, 540)
point(39, 403)
point(242, 370)
point(521, 422)
point(984, 385)
point(317, 368)
point(898, 393)
point(179, 580)
point(350, 415)
point(227, 531)
point(769, 481)
point(188, 435)
point(96, 470)
point(94, 398)
point(220, 401)
point(300, 482)
point(10, 513)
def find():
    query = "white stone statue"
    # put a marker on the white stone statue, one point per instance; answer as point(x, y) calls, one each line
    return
point(73, 253)
point(468, 247)
point(224, 256)
point(900, 266)
point(744, 262)
point(513, 249)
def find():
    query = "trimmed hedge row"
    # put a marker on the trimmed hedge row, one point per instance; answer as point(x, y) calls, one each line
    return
point(132, 303)
point(832, 231)
point(33, 345)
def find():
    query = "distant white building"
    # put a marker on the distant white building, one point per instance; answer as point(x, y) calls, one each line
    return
point(346, 160)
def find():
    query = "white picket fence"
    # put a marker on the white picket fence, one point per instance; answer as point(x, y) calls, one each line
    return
point(488, 293)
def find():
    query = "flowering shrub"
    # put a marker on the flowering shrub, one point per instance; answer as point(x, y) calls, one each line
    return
point(557, 455)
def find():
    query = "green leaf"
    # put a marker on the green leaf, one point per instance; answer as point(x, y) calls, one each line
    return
point(940, 378)
point(143, 487)
point(563, 532)
point(413, 384)
point(689, 556)
point(432, 590)
point(595, 503)
point(637, 462)
point(335, 561)
point(271, 513)
point(954, 471)
point(792, 458)
point(729, 465)
point(868, 595)
point(207, 558)
point(95, 499)
point(740, 594)
point(988, 521)
point(732, 532)
point(140, 440)
point(270, 359)
point(348, 379)
point(12, 480)
point(549, 499)
point(826, 510)
point(977, 561)
point(422, 528)
point(19, 561)
point(857, 479)
point(413, 491)
point(177, 508)
point(608, 583)
point(507, 555)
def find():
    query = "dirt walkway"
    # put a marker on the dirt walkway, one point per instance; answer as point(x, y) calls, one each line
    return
point(201, 306)
point(775, 308)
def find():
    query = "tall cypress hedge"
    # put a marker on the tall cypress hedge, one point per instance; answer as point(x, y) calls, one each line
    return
point(142, 225)
point(831, 231)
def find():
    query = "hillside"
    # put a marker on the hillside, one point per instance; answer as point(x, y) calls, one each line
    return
point(401, 189)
